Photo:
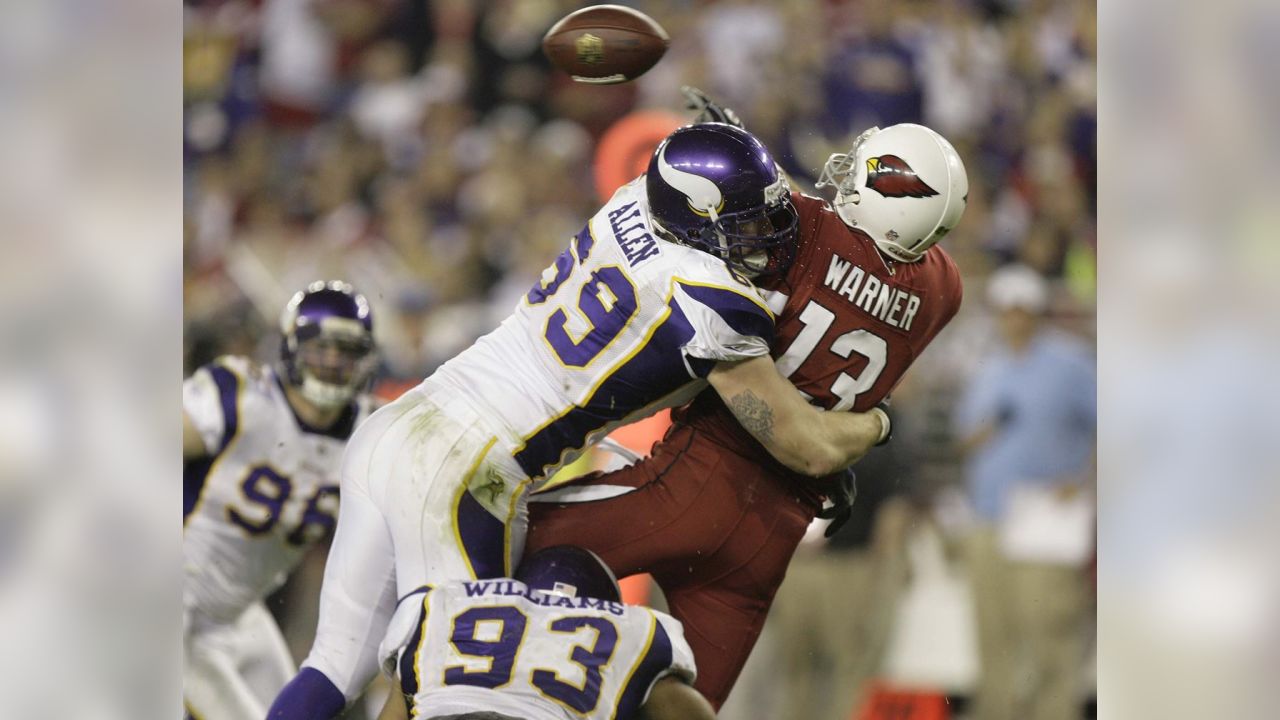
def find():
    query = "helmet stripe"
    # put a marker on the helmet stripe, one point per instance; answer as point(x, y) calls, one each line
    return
point(704, 196)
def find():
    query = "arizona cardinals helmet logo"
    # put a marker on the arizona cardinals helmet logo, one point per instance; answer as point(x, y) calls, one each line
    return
point(891, 176)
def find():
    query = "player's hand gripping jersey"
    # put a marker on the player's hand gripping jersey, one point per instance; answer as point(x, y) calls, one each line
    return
point(501, 646)
point(266, 490)
point(622, 325)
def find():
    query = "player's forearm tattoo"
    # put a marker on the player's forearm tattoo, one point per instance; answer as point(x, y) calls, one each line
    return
point(754, 414)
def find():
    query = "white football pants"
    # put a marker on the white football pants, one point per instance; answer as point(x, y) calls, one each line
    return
point(234, 671)
point(430, 493)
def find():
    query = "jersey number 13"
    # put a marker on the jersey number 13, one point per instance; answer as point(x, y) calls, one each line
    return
point(817, 321)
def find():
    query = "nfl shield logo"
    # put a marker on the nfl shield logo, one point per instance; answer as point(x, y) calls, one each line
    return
point(590, 49)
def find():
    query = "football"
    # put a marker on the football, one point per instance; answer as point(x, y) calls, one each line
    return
point(605, 44)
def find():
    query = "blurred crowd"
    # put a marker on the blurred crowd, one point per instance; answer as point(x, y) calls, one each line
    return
point(428, 153)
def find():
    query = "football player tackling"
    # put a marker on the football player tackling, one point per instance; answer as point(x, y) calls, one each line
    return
point(260, 485)
point(710, 514)
point(648, 304)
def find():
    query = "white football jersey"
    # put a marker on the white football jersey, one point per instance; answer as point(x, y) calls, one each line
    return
point(622, 325)
point(267, 490)
point(498, 645)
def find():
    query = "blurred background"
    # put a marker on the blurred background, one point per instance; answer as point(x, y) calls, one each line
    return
point(96, 100)
point(427, 153)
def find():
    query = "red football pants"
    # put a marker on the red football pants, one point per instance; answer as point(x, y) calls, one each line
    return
point(715, 530)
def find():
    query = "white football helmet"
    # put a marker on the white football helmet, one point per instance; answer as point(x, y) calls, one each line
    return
point(905, 186)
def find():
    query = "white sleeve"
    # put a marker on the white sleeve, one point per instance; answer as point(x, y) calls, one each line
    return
point(358, 595)
point(682, 664)
point(728, 325)
point(401, 628)
point(203, 403)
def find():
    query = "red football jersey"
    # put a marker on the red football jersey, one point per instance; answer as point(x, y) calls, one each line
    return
point(852, 323)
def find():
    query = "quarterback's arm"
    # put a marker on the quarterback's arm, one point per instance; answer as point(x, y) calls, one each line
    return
point(671, 699)
point(801, 436)
point(192, 442)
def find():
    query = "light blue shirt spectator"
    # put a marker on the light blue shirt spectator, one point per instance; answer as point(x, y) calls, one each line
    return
point(1042, 404)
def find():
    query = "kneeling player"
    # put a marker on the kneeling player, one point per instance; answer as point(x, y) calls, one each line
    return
point(553, 642)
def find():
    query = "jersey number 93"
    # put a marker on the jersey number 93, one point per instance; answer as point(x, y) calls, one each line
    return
point(495, 634)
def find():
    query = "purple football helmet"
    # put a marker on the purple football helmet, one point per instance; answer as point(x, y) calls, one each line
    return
point(327, 350)
point(715, 187)
point(571, 571)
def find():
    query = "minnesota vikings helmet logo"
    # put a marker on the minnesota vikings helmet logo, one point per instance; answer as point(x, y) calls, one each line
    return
point(891, 176)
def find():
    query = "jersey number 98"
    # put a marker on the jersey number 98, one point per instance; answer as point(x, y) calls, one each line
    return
point(267, 492)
